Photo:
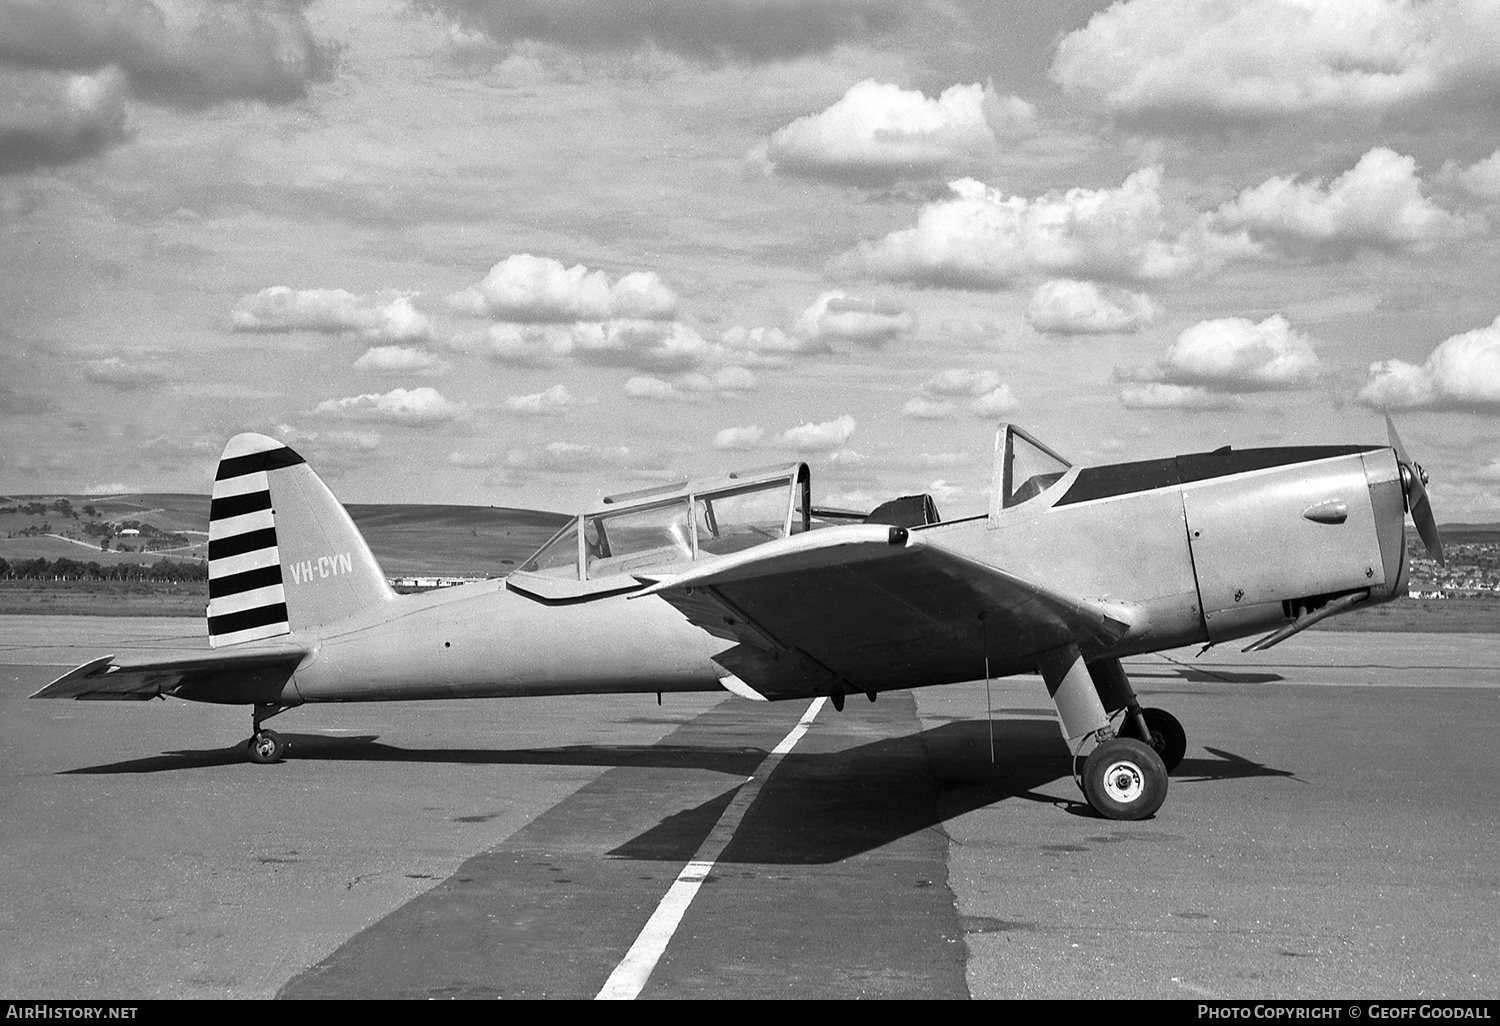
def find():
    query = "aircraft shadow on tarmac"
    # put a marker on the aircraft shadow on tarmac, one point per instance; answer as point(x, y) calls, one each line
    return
point(816, 808)
point(823, 808)
point(367, 748)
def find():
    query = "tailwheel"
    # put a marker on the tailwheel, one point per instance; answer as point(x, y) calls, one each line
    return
point(266, 746)
point(1167, 737)
point(1124, 779)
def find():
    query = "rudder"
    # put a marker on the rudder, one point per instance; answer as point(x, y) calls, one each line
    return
point(283, 554)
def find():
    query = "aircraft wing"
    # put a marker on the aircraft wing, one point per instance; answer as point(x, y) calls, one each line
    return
point(241, 676)
point(871, 607)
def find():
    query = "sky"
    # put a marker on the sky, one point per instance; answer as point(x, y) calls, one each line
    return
point(533, 252)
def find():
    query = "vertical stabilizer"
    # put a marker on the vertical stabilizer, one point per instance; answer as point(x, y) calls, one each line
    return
point(283, 554)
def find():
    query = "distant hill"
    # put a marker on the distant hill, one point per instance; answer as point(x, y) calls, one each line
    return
point(1472, 534)
point(408, 539)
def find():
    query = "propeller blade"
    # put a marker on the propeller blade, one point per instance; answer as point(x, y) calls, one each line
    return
point(1415, 481)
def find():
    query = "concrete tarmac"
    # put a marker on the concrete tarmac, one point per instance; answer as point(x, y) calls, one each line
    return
point(1329, 835)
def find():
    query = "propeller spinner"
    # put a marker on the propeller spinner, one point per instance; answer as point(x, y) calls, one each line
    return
point(1414, 480)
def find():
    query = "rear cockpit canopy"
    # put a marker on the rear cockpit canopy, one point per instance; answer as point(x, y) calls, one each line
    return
point(1024, 467)
point(653, 529)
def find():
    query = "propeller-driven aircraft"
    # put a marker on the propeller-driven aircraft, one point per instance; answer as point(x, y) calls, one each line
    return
point(741, 583)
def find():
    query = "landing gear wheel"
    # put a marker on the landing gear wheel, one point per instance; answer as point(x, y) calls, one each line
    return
point(265, 747)
point(1167, 737)
point(1124, 779)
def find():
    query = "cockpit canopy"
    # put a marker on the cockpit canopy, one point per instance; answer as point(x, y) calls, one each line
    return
point(1024, 467)
point(655, 528)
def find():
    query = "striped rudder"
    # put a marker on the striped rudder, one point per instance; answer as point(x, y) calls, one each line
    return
point(246, 599)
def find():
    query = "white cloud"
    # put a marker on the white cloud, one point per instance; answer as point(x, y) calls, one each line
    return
point(1482, 178)
point(981, 238)
point(1066, 307)
point(347, 441)
point(113, 488)
point(1231, 354)
point(691, 386)
point(1377, 202)
point(999, 402)
point(942, 394)
point(1157, 395)
point(417, 407)
point(553, 402)
point(1197, 60)
point(125, 377)
point(472, 460)
point(399, 359)
point(569, 457)
point(739, 437)
point(710, 31)
point(962, 382)
point(879, 132)
point(49, 119)
point(1238, 355)
point(528, 289)
point(187, 53)
point(923, 408)
point(386, 316)
point(836, 319)
point(829, 434)
point(1462, 373)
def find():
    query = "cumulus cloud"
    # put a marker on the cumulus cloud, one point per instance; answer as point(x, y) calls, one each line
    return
point(709, 31)
point(416, 407)
point(48, 120)
point(837, 320)
point(747, 437)
point(116, 373)
point(980, 238)
point(947, 393)
point(1157, 395)
point(1185, 62)
point(829, 434)
point(528, 289)
point(183, 53)
point(1378, 202)
point(691, 386)
point(386, 316)
point(878, 133)
point(400, 359)
point(1482, 178)
point(1229, 355)
point(569, 457)
point(553, 402)
point(1066, 307)
point(1462, 373)
point(346, 441)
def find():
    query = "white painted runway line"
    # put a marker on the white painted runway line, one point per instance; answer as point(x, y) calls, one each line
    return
point(630, 976)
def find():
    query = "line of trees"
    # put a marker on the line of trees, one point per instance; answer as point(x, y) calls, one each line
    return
point(169, 570)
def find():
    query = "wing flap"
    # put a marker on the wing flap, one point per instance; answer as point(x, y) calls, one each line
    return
point(874, 608)
point(234, 677)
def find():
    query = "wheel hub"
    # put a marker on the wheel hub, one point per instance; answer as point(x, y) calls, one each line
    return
point(1124, 782)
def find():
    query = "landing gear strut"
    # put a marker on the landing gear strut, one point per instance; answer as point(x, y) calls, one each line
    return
point(265, 746)
point(1125, 776)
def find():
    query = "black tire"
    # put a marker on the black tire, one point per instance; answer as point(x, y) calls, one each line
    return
point(1167, 737)
point(1125, 779)
point(266, 747)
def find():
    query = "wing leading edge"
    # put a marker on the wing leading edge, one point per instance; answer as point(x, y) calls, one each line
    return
point(872, 608)
point(233, 677)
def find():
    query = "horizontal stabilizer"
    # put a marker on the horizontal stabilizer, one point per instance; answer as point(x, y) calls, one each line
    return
point(234, 677)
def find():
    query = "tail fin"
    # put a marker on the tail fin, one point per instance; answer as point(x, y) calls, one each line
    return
point(283, 554)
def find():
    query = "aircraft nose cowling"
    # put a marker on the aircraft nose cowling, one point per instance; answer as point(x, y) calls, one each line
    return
point(1387, 499)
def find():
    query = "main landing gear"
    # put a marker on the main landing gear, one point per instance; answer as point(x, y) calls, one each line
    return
point(1125, 776)
point(265, 746)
